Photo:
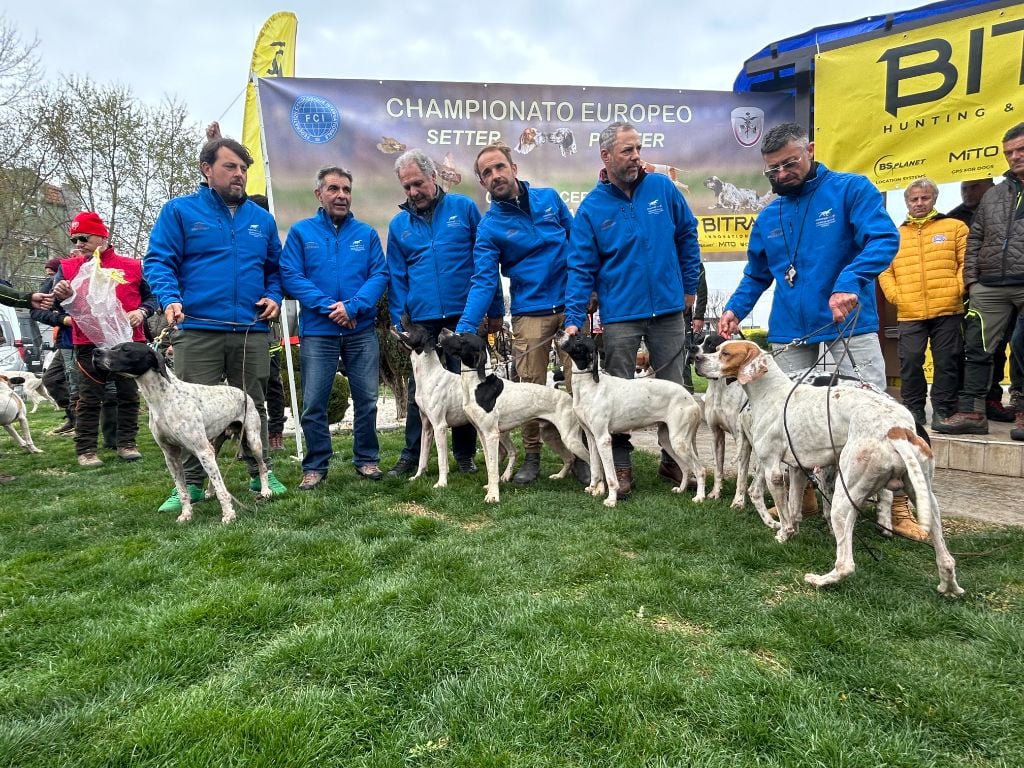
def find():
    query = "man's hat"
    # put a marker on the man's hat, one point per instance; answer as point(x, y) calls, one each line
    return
point(88, 223)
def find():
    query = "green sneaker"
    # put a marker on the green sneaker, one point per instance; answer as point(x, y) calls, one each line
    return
point(276, 486)
point(173, 503)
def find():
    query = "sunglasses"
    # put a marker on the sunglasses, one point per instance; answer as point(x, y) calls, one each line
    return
point(80, 239)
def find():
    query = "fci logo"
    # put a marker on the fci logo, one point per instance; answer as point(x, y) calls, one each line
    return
point(938, 65)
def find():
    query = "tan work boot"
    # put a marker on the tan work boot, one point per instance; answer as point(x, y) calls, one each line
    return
point(903, 521)
point(808, 508)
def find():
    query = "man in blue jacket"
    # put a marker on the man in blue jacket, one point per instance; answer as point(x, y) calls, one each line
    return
point(634, 241)
point(823, 242)
point(525, 234)
point(334, 266)
point(430, 262)
point(213, 262)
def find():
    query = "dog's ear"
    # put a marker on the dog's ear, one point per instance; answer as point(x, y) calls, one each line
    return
point(157, 363)
point(754, 366)
point(477, 352)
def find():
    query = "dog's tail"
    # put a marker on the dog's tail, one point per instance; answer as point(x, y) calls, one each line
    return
point(909, 446)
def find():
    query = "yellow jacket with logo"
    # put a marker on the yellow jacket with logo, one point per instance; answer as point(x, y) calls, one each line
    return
point(926, 279)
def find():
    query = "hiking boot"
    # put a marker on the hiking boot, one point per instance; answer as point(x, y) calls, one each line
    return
point(669, 470)
point(89, 460)
point(808, 507)
point(67, 428)
point(403, 468)
point(903, 521)
point(963, 424)
point(312, 480)
point(529, 472)
point(1017, 433)
point(581, 471)
point(996, 411)
point(276, 441)
point(276, 486)
point(173, 503)
point(938, 418)
point(369, 472)
point(625, 477)
point(129, 453)
point(467, 466)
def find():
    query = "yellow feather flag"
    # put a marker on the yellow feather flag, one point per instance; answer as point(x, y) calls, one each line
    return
point(273, 56)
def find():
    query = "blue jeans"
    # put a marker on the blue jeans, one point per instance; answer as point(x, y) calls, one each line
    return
point(361, 355)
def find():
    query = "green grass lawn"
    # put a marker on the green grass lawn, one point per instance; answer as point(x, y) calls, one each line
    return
point(389, 624)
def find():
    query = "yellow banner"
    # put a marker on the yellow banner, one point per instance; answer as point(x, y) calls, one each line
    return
point(934, 101)
point(273, 56)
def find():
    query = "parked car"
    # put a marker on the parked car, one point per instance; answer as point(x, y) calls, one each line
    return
point(22, 345)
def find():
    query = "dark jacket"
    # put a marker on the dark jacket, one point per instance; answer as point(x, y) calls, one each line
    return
point(995, 245)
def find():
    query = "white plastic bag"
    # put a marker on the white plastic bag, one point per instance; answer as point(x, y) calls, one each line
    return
point(94, 305)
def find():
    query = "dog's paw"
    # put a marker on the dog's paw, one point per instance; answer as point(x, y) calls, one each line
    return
point(815, 580)
point(716, 493)
point(228, 517)
point(441, 483)
point(737, 502)
point(492, 498)
point(610, 502)
point(184, 517)
point(952, 591)
point(266, 494)
point(32, 449)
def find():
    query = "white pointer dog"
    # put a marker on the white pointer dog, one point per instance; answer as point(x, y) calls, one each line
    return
point(495, 405)
point(188, 416)
point(869, 436)
point(439, 398)
point(12, 409)
point(607, 404)
point(725, 412)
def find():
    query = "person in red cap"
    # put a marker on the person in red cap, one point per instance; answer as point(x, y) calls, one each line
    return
point(89, 234)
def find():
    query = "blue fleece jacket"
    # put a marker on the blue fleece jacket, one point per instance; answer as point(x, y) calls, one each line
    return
point(217, 266)
point(323, 264)
point(430, 259)
point(640, 254)
point(838, 237)
point(530, 249)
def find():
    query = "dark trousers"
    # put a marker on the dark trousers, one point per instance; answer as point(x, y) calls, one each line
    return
point(92, 391)
point(464, 437)
point(947, 344)
point(984, 327)
point(275, 395)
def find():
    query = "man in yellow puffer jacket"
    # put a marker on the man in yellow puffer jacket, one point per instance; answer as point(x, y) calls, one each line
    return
point(925, 282)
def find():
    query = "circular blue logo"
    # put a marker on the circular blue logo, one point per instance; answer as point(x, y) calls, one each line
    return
point(315, 119)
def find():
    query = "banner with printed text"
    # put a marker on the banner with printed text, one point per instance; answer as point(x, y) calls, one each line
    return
point(707, 142)
point(933, 102)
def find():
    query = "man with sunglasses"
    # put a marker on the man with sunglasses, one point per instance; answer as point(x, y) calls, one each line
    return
point(822, 241)
point(89, 234)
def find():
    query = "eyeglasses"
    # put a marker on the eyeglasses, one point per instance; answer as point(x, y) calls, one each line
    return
point(775, 170)
point(80, 239)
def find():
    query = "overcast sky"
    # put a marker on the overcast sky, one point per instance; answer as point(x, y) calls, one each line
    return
point(200, 51)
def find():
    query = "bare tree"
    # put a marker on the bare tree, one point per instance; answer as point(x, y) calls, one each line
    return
point(124, 159)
